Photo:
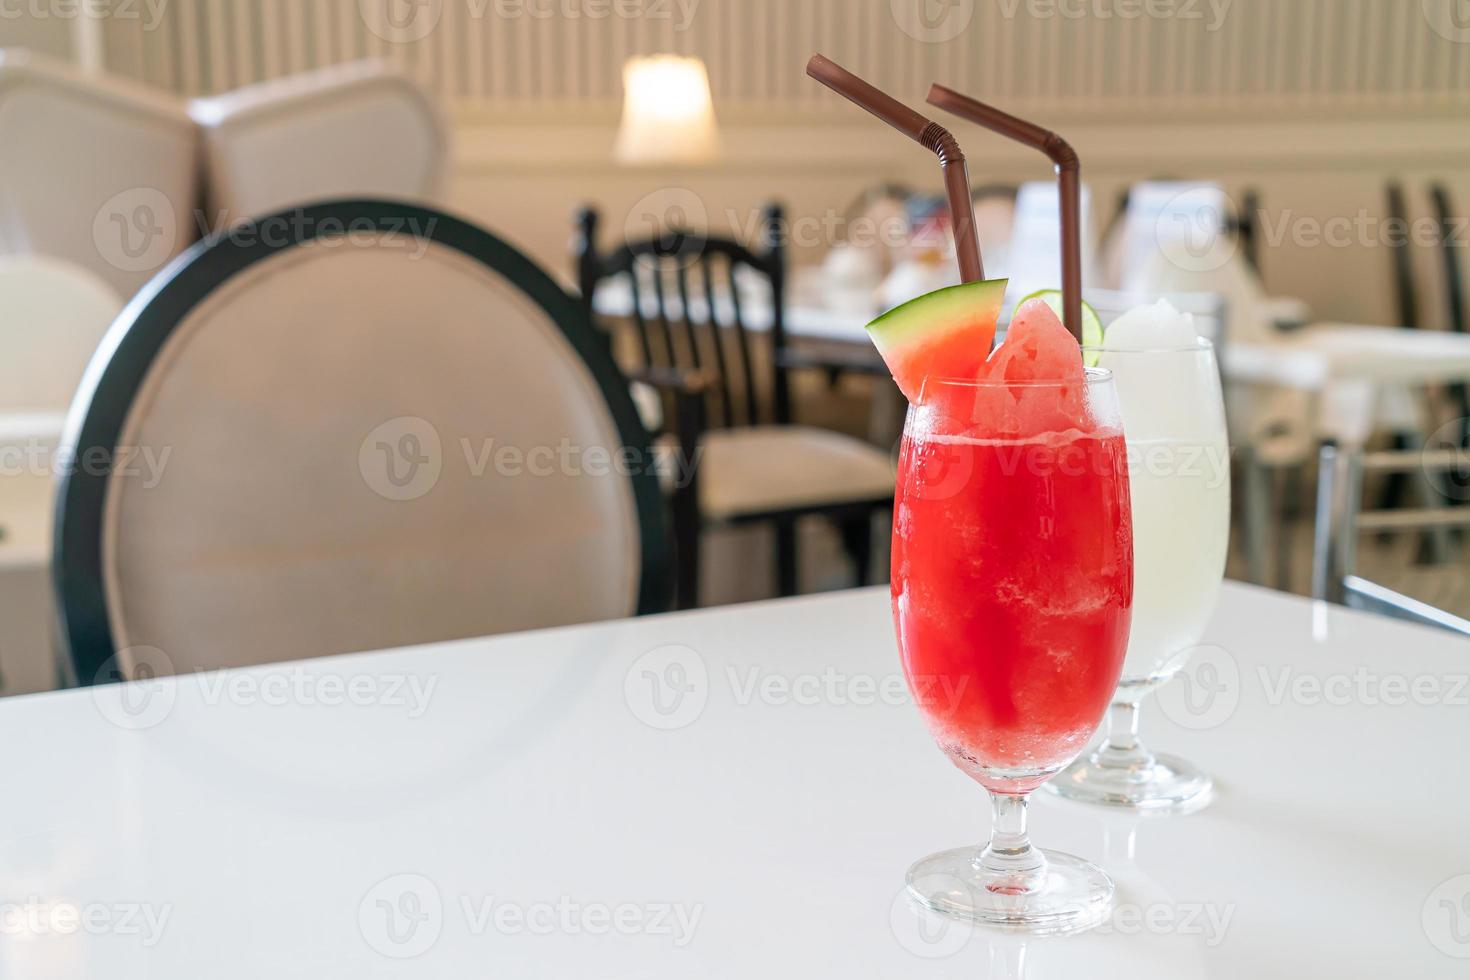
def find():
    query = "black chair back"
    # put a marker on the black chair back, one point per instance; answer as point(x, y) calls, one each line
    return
point(1403, 260)
point(693, 310)
point(1454, 272)
point(310, 386)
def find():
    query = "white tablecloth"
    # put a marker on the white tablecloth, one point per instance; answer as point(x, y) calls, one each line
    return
point(728, 793)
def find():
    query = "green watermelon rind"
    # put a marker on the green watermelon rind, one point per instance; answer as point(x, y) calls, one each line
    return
point(926, 314)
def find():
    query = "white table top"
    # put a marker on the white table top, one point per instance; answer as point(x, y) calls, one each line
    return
point(528, 812)
point(1315, 356)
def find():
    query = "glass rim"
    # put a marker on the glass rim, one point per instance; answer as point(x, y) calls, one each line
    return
point(1201, 345)
point(1092, 376)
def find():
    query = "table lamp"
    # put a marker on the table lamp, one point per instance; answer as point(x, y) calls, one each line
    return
point(668, 116)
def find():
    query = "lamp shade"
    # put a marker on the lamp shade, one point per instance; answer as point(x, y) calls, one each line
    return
point(668, 116)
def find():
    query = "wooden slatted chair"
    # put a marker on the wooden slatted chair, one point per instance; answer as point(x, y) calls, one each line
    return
point(707, 318)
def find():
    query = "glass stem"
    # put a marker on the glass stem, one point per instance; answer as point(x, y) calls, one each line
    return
point(1122, 748)
point(1009, 864)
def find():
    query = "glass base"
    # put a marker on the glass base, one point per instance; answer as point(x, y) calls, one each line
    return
point(1164, 782)
point(1068, 895)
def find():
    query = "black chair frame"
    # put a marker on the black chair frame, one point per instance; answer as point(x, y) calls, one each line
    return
point(696, 375)
point(139, 334)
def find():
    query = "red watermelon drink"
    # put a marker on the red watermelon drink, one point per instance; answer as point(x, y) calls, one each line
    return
point(1012, 574)
point(1012, 541)
point(1012, 580)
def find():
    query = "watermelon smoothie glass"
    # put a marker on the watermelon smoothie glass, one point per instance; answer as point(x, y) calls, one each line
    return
point(1012, 591)
point(1013, 553)
point(1012, 584)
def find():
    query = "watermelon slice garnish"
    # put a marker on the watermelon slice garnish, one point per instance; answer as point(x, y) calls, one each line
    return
point(947, 334)
point(1037, 350)
point(1092, 328)
point(944, 334)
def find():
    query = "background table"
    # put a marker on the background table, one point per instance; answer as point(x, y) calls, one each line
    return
point(1316, 356)
point(551, 805)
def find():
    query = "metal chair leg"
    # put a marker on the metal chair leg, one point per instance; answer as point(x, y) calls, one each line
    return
point(857, 541)
point(1256, 519)
point(786, 556)
point(1326, 561)
point(686, 523)
point(1287, 483)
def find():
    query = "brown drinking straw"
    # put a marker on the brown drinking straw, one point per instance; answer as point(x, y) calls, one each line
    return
point(1069, 185)
point(928, 134)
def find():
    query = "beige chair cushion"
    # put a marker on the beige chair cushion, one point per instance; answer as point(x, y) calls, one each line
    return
point(770, 468)
point(98, 171)
point(52, 316)
point(340, 424)
point(361, 129)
